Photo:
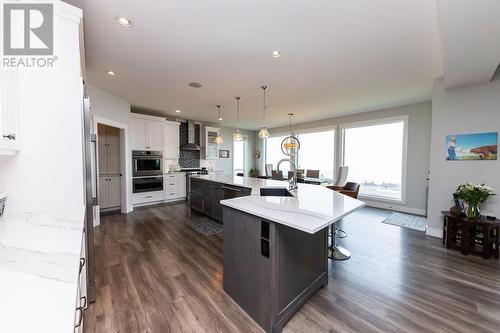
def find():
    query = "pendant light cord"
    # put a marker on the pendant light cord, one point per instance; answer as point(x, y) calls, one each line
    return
point(238, 113)
point(264, 106)
point(218, 115)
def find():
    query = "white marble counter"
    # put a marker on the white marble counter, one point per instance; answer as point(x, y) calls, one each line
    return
point(39, 264)
point(311, 208)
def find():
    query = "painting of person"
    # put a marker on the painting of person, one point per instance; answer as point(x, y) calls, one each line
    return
point(477, 146)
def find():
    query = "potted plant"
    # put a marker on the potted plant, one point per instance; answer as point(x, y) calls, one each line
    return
point(474, 195)
point(254, 172)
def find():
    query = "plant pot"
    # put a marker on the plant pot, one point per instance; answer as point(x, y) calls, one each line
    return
point(473, 211)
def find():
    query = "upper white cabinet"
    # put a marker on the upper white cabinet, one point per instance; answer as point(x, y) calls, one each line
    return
point(211, 148)
point(9, 112)
point(147, 133)
point(172, 145)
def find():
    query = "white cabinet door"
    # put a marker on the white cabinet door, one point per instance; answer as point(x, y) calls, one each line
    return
point(103, 192)
point(9, 111)
point(182, 185)
point(102, 139)
point(211, 148)
point(155, 135)
point(114, 191)
point(113, 148)
point(139, 134)
point(171, 149)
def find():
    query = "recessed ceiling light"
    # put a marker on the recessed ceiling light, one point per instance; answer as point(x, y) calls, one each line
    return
point(220, 119)
point(275, 54)
point(123, 21)
point(111, 73)
point(195, 85)
point(177, 111)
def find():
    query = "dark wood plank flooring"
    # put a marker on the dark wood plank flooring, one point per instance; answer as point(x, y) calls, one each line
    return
point(155, 274)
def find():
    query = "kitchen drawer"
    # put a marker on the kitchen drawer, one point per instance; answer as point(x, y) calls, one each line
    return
point(171, 195)
point(146, 197)
point(170, 183)
point(171, 176)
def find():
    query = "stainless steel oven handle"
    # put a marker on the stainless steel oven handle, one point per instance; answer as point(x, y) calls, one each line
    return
point(93, 139)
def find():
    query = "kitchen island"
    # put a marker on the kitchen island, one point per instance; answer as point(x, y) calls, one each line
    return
point(275, 241)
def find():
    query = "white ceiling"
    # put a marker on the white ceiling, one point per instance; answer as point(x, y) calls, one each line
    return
point(338, 56)
point(471, 41)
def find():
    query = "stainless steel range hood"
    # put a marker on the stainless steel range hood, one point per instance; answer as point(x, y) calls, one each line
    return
point(191, 144)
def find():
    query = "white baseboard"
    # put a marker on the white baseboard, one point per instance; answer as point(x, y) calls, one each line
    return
point(395, 207)
point(434, 232)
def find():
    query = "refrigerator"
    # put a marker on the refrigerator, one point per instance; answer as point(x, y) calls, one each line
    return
point(91, 195)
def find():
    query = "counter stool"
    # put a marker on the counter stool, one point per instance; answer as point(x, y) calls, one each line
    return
point(335, 251)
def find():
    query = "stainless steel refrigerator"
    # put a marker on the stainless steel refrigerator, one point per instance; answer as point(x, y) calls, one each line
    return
point(91, 195)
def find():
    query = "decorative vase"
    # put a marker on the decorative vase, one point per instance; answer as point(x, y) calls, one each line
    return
point(473, 211)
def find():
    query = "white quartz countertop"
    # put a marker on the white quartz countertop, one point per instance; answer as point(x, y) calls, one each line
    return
point(39, 266)
point(310, 209)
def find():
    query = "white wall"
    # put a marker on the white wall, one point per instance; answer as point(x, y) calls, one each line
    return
point(464, 110)
point(115, 111)
point(419, 129)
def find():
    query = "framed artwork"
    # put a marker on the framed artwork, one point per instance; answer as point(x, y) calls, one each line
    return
point(470, 147)
point(223, 153)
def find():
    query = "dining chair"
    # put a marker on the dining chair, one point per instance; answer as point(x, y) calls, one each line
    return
point(341, 176)
point(300, 174)
point(269, 170)
point(277, 175)
point(312, 173)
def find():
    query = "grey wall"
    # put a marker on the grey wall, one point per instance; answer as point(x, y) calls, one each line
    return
point(419, 131)
point(225, 165)
point(472, 109)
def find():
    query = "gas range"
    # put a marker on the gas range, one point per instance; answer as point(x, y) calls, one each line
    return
point(195, 171)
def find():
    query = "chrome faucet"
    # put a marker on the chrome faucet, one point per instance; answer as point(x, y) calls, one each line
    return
point(292, 182)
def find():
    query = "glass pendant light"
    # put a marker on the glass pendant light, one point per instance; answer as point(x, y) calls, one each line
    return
point(264, 132)
point(218, 138)
point(237, 135)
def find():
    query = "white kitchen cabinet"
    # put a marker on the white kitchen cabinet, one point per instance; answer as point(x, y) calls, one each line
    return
point(109, 192)
point(144, 198)
point(174, 185)
point(147, 133)
point(9, 111)
point(109, 150)
point(172, 145)
point(139, 134)
point(210, 147)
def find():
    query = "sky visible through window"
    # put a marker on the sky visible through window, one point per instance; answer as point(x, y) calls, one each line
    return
point(239, 156)
point(374, 155)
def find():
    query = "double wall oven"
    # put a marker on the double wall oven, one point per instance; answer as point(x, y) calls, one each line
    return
point(147, 169)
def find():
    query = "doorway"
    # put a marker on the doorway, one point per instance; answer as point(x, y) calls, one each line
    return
point(109, 168)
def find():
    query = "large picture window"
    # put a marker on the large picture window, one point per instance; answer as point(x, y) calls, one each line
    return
point(317, 152)
point(376, 156)
point(274, 153)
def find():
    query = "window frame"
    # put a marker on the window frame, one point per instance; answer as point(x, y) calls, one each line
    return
point(333, 128)
point(381, 121)
point(245, 141)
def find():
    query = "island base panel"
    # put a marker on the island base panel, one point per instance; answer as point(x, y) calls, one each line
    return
point(270, 269)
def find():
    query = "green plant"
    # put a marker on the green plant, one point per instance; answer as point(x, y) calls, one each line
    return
point(254, 172)
point(474, 194)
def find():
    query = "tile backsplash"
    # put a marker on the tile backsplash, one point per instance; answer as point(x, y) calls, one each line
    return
point(189, 158)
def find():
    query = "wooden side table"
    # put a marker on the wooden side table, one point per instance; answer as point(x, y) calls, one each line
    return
point(470, 233)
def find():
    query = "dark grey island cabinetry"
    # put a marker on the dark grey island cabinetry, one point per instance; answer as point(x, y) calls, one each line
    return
point(273, 269)
point(275, 240)
point(206, 196)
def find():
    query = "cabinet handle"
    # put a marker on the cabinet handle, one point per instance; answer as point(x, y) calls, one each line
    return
point(148, 196)
point(10, 136)
point(82, 263)
point(80, 319)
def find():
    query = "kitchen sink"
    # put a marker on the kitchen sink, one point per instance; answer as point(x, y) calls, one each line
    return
point(275, 192)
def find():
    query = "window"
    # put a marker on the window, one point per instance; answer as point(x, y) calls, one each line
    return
point(274, 153)
point(317, 152)
point(376, 156)
point(239, 156)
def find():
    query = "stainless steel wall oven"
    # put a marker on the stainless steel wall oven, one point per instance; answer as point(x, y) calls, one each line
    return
point(147, 163)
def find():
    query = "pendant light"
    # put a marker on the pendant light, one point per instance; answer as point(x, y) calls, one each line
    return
point(290, 145)
point(237, 135)
point(218, 138)
point(264, 132)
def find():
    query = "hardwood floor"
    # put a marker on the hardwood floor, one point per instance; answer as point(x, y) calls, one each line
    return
point(155, 274)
